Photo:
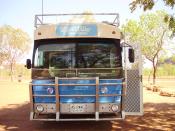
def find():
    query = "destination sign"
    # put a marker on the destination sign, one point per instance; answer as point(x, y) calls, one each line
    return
point(76, 30)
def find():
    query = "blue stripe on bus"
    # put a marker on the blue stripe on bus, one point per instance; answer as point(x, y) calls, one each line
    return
point(75, 90)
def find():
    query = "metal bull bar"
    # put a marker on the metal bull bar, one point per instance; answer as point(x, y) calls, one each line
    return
point(57, 96)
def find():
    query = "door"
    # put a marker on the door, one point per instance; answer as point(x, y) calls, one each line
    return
point(133, 74)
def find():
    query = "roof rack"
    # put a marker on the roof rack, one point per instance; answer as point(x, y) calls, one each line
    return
point(39, 18)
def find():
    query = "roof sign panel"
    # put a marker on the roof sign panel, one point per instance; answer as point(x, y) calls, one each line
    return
point(76, 30)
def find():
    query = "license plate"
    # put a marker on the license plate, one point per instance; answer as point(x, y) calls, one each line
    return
point(77, 108)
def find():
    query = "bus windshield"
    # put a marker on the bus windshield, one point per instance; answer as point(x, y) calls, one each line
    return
point(88, 58)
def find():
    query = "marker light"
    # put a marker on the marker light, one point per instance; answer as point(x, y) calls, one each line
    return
point(50, 90)
point(115, 108)
point(40, 108)
point(104, 90)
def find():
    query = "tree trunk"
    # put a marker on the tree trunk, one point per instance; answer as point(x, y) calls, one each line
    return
point(154, 72)
point(11, 71)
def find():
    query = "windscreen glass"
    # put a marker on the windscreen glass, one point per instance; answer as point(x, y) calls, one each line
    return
point(77, 59)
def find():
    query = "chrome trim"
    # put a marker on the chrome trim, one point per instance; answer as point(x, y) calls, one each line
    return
point(44, 95)
point(67, 109)
point(43, 84)
point(87, 119)
point(97, 99)
point(31, 101)
point(77, 84)
point(57, 98)
point(31, 115)
point(64, 109)
point(90, 108)
point(107, 107)
point(48, 108)
point(77, 95)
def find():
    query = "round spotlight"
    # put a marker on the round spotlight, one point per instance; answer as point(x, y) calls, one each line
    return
point(39, 108)
point(104, 90)
point(113, 32)
point(50, 90)
point(115, 108)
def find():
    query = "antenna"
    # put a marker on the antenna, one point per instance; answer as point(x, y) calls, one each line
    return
point(42, 11)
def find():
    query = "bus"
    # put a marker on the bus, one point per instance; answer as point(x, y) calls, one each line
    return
point(80, 72)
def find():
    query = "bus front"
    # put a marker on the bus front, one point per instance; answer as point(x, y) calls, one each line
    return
point(77, 73)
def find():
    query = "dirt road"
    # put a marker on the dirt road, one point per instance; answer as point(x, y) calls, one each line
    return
point(159, 114)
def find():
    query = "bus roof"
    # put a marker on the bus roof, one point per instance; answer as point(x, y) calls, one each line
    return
point(77, 30)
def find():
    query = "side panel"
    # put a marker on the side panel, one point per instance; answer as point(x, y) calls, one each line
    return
point(134, 92)
point(134, 97)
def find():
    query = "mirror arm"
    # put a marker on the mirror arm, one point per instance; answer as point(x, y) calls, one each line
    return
point(124, 44)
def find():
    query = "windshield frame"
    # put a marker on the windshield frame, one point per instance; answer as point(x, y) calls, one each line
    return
point(37, 43)
point(77, 70)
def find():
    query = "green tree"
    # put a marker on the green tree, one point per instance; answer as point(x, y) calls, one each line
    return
point(149, 4)
point(173, 59)
point(168, 60)
point(151, 32)
point(3, 54)
point(14, 45)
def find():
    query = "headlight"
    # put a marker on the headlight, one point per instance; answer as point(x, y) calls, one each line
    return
point(50, 90)
point(104, 90)
point(39, 108)
point(115, 108)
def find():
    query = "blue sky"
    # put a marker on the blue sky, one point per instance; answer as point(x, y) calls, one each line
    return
point(20, 13)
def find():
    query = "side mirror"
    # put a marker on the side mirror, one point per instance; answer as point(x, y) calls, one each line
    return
point(28, 64)
point(131, 55)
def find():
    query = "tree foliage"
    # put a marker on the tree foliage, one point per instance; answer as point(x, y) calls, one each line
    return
point(149, 4)
point(14, 44)
point(168, 60)
point(151, 32)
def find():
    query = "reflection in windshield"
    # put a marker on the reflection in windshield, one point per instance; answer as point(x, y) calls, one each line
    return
point(55, 55)
point(98, 56)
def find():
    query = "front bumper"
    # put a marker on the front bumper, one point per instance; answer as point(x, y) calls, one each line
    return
point(77, 112)
point(77, 108)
